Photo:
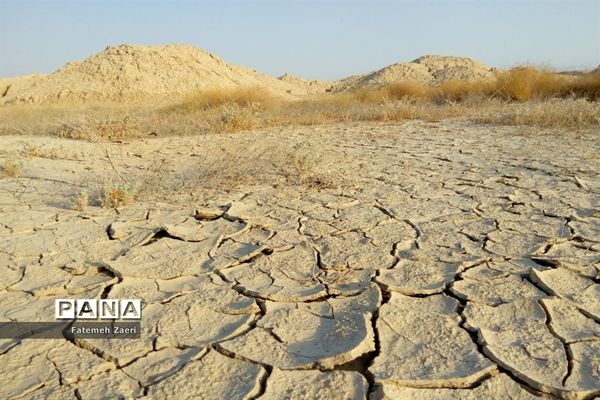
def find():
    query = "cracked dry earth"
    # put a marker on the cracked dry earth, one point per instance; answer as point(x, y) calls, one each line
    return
point(451, 261)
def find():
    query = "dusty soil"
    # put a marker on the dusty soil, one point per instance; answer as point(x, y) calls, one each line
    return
point(399, 261)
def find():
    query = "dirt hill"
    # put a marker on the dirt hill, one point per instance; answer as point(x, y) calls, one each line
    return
point(310, 85)
point(430, 69)
point(163, 73)
point(139, 72)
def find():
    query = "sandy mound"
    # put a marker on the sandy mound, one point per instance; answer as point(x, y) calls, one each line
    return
point(141, 72)
point(17, 84)
point(311, 85)
point(427, 69)
point(162, 73)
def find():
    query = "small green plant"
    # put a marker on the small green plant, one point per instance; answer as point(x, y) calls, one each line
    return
point(304, 158)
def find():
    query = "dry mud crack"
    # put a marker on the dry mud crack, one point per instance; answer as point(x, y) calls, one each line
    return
point(445, 261)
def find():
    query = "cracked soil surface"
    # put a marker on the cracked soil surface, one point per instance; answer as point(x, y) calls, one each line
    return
point(447, 261)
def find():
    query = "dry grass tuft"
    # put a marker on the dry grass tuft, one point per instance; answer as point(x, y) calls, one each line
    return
point(245, 97)
point(555, 113)
point(82, 200)
point(518, 84)
point(476, 92)
point(10, 166)
point(407, 90)
point(108, 194)
point(304, 160)
point(110, 128)
point(36, 152)
point(587, 86)
point(116, 196)
point(97, 123)
point(525, 83)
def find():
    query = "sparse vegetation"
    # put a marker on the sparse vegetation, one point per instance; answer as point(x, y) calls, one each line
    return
point(520, 96)
point(37, 152)
point(82, 200)
point(113, 195)
point(10, 166)
point(518, 84)
point(116, 196)
point(554, 113)
point(246, 97)
point(304, 160)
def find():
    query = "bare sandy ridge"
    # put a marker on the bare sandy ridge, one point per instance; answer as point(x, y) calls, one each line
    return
point(140, 72)
point(159, 72)
point(430, 69)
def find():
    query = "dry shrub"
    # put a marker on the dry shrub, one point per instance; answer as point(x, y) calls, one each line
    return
point(554, 113)
point(81, 201)
point(407, 90)
point(525, 83)
point(37, 152)
point(520, 84)
point(586, 86)
point(114, 195)
point(110, 128)
point(233, 118)
point(252, 97)
point(367, 96)
point(222, 110)
point(217, 168)
point(459, 91)
point(448, 91)
point(93, 122)
point(304, 159)
point(232, 164)
point(10, 166)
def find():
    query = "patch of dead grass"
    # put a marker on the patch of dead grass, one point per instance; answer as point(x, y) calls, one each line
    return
point(244, 109)
point(525, 83)
point(109, 195)
point(10, 166)
point(555, 113)
point(244, 97)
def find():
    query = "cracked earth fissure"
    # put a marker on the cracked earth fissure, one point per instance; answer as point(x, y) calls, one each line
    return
point(350, 289)
point(481, 347)
point(568, 352)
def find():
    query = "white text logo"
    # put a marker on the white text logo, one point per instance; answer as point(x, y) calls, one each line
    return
point(98, 309)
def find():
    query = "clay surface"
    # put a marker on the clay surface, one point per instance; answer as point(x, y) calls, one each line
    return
point(440, 261)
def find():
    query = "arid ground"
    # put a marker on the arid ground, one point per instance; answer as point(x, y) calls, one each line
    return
point(430, 230)
point(405, 261)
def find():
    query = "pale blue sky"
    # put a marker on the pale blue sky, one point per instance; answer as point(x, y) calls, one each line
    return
point(315, 39)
